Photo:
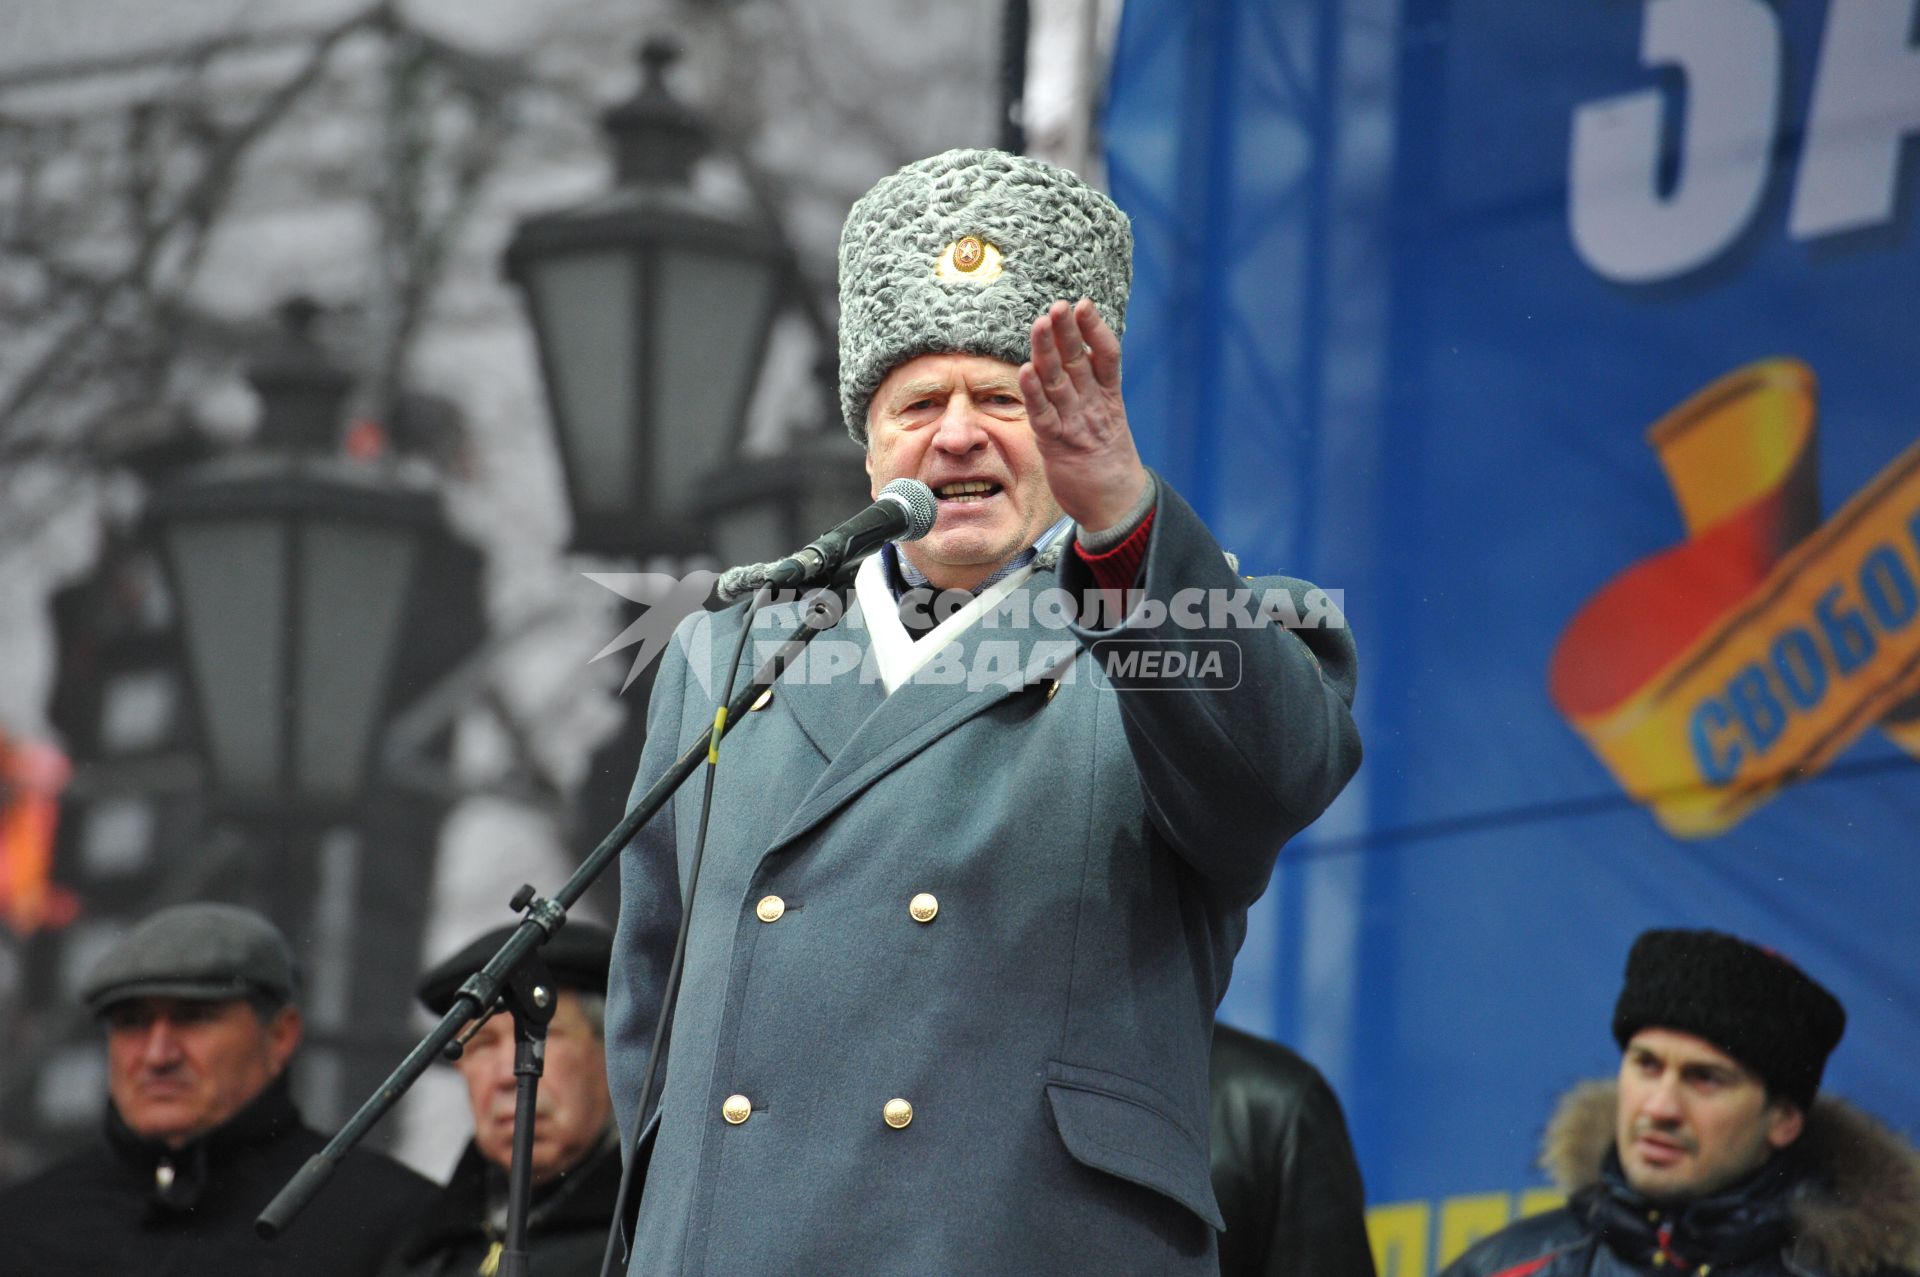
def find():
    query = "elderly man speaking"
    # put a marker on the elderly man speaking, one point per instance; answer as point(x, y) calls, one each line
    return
point(974, 883)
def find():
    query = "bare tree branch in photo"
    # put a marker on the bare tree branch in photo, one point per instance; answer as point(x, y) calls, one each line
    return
point(111, 306)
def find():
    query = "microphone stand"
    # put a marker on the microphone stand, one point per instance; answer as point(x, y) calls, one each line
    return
point(530, 999)
point(543, 918)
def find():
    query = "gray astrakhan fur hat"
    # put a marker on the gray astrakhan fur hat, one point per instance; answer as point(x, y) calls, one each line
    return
point(959, 254)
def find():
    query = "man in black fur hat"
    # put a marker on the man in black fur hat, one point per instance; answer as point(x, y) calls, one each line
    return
point(1711, 1153)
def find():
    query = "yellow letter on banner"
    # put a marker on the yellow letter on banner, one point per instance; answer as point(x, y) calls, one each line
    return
point(1398, 1234)
point(1465, 1220)
point(1538, 1201)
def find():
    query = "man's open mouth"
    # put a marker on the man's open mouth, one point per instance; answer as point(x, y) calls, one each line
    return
point(966, 491)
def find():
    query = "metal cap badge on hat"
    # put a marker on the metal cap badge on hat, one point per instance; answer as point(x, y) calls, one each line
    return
point(959, 253)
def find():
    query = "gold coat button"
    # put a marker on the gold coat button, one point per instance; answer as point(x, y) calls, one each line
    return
point(923, 907)
point(897, 1114)
point(770, 909)
point(737, 1109)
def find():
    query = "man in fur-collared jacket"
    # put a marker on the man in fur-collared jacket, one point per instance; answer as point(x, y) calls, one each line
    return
point(1711, 1154)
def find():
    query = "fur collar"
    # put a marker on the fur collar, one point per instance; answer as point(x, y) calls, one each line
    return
point(1859, 1209)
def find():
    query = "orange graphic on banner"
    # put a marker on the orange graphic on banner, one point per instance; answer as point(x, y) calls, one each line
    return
point(1710, 675)
point(31, 778)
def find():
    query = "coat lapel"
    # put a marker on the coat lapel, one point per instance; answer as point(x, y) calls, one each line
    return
point(828, 692)
point(994, 659)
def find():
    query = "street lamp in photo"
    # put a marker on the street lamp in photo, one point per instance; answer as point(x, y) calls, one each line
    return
point(652, 306)
point(312, 594)
point(293, 571)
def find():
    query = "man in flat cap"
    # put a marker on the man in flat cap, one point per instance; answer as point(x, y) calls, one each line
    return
point(976, 874)
point(199, 1007)
point(576, 1159)
point(1713, 1152)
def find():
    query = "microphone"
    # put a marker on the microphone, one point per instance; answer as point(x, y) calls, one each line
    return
point(904, 511)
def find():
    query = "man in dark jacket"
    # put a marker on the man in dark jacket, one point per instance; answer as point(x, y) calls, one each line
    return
point(1283, 1167)
point(576, 1159)
point(198, 1003)
point(1710, 1154)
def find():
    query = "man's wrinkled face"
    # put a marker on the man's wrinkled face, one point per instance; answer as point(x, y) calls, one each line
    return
point(572, 1111)
point(177, 1068)
point(1693, 1120)
point(958, 423)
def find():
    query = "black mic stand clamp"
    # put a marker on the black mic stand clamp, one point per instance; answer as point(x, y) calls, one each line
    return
point(530, 998)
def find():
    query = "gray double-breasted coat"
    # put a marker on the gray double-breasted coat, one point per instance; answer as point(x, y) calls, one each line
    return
point(955, 951)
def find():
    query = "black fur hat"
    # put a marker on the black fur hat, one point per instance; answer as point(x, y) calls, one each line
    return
point(1748, 1001)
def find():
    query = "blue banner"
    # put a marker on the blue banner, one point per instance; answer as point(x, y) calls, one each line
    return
point(1577, 350)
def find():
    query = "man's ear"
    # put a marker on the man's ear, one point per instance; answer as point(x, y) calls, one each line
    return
point(1785, 1121)
point(867, 460)
point(283, 1036)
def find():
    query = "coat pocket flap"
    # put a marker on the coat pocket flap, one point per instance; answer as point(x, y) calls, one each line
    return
point(1114, 1124)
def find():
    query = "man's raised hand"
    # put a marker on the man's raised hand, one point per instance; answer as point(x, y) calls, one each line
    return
point(1072, 392)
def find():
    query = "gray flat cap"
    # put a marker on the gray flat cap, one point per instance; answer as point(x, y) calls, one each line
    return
point(207, 952)
point(959, 254)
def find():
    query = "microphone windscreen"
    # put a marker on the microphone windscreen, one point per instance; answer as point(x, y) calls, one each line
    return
point(921, 509)
point(738, 583)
